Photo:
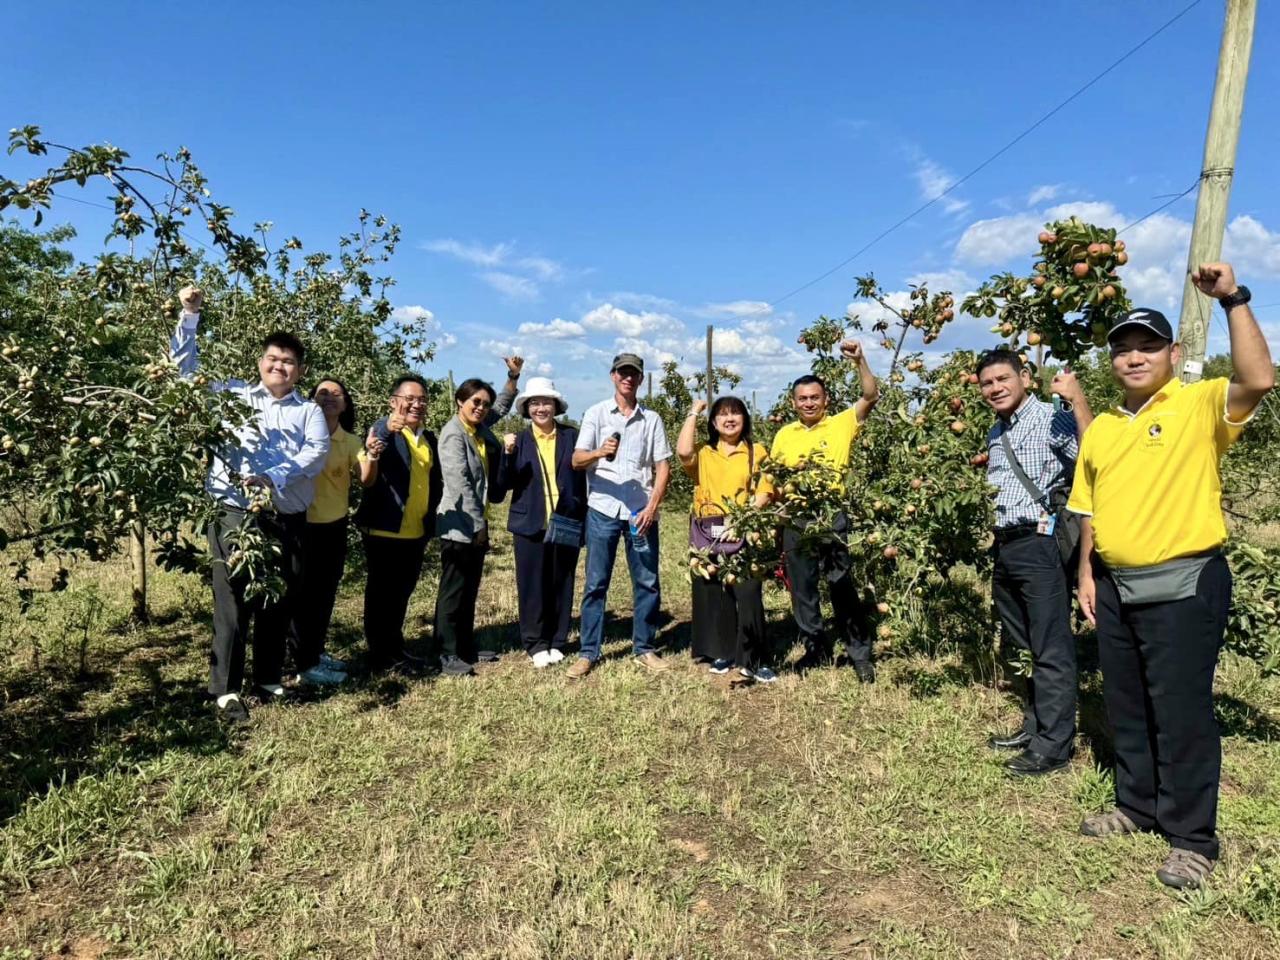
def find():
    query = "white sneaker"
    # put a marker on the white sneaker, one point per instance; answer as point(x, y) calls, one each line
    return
point(541, 659)
point(555, 655)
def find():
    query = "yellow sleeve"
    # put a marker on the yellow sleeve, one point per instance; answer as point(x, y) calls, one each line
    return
point(1081, 499)
point(762, 458)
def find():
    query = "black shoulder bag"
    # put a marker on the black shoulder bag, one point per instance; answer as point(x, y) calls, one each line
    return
point(1066, 525)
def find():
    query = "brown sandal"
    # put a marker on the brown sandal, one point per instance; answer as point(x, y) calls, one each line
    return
point(1185, 869)
point(1108, 824)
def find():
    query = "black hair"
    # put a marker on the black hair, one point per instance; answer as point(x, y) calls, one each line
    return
point(285, 340)
point(469, 388)
point(347, 418)
point(713, 435)
point(404, 378)
point(807, 379)
point(1001, 355)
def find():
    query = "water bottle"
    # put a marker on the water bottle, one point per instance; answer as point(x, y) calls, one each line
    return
point(639, 541)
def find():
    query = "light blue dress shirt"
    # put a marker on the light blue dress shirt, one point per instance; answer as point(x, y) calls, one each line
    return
point(287, 441)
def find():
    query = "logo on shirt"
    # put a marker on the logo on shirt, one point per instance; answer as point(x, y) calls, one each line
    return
point(1153, 431)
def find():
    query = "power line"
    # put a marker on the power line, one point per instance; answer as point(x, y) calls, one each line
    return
point(1169, 203)
point(103, 206)
point(770, 304)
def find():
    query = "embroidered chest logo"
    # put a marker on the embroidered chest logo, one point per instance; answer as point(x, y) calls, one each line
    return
point(1153, 431)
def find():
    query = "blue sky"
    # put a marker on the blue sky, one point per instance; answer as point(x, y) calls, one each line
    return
point(576, 178)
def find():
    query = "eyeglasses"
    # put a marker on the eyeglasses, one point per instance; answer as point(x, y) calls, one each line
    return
point(479, 403)
point(410, 400)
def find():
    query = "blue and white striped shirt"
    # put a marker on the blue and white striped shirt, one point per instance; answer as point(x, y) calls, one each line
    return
point(1045, 443)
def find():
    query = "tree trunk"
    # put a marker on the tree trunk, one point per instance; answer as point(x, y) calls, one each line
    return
point(138, 563)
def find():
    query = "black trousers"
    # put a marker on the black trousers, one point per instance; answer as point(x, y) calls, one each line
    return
point(545, 575)
point(461, 566)
point(1157, 664)
point(1029, 588)
point(232, 613)
point(394, 566)
point(728, 622)
point(806, 569)
point(324, 557)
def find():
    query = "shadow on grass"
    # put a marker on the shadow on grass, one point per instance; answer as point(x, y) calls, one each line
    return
point(1238, 718)
point(57, 727)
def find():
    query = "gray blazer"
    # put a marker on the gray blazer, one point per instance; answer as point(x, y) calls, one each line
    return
point(465, 486)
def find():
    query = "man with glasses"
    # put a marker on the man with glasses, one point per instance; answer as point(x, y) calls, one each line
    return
point(624, 450)
point(1152, 575)
point(277, 455)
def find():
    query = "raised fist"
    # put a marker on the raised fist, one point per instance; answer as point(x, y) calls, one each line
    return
point(514, 365)
point(851, 350)
point(192, 299)
point(699, 407)
point(509, 442)
point(1215, 280)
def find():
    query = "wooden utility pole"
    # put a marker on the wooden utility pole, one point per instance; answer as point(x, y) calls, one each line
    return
point(1215, 178)
point(710, 379)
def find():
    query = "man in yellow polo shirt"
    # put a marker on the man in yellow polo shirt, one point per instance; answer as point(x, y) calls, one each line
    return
point(817, 435)
point(1152, 575)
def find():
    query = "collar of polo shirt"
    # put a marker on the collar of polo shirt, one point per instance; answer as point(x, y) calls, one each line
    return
point(1170, 388)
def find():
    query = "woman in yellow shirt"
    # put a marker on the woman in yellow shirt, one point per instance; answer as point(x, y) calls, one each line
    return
point(728, 621)
point(324, 553)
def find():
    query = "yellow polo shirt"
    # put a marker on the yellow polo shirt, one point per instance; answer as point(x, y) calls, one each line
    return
point(547, 454)
point(829, 440)
point(333, 486)
point(415, 509)
point(1150, 479)
point(719, 476)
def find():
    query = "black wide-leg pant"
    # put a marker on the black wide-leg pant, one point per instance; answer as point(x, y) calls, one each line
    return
point(394, 565)
point(1029, 588)
point(806, 569)
point(545, 576)
point(1158, 661)
point(728, 622)
point(233, 614)
point(461, 567)
point(324, 557)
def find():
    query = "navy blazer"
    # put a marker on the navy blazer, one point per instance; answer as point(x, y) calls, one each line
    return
point(382, 505)
point(521, 473)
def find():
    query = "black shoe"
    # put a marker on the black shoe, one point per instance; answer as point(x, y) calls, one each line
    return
point(866, 671)
point(1009, 741)
point(456, 667)
point(1031, 764)
point(486, 656)
point(267, 697)
point(233, 711)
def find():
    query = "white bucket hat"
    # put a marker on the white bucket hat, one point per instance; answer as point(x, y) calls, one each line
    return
point(540, 387)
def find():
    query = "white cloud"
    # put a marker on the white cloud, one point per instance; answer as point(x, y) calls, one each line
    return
point(954, 280)
point(519, 277)
point(557, 329)
point(735, 308)
point(541, 267)
point(934, 181)
point(1041, 194)
point(651, 353)
point(608, 318)
point(998, 240)
point(413, 314)
point(639, 301)
point(1250, 247)
point(511, 286)
point(469, 252)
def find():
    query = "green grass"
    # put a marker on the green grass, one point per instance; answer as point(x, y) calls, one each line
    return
point(520, 815)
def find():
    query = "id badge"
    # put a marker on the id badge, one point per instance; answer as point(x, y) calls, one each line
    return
point(1046, 524)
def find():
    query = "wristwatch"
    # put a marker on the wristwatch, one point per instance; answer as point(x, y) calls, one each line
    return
point(1242, 295)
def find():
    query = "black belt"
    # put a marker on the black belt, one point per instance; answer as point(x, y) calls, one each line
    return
point(1018, 532)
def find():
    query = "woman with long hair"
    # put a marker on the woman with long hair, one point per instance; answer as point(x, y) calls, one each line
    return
point(728, 620)
point(548, 509)
point(324, 552)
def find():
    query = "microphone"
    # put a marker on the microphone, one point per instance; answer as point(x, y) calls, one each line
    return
point(618, 437)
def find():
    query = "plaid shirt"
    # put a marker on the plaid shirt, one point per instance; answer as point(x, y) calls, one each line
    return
point(1046, 445)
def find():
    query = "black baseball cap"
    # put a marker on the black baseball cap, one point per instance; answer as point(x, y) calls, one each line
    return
point(1152, 320)
point(627, 360)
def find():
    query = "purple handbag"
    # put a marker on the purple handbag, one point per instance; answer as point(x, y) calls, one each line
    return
point(708, 533)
